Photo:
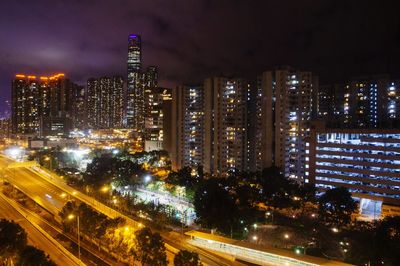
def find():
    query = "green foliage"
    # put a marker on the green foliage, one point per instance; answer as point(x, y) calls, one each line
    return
point(149, 248)
point(31, 256)
point(187, 258)
point(336, 206)
point(214, 206)
point(13, 244)
point(13, 238)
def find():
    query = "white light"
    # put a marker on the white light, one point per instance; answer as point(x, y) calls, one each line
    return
point(115, 151)
point(147, 178)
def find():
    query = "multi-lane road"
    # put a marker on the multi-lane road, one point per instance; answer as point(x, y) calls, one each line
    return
point(50, 192)
point(35, 236)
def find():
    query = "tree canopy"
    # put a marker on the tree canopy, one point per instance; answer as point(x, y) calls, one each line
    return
point(149, 248)
point(336, 206)
point(187, 258)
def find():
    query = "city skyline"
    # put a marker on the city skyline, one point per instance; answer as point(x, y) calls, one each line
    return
point(307, 39)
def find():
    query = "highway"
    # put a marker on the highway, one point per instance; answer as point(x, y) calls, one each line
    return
point(47, 189)
point(35, 237)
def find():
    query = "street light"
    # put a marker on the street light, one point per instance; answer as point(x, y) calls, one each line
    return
point(48, 159)
point(71, 217)
point(286, 236)
point(147, 178)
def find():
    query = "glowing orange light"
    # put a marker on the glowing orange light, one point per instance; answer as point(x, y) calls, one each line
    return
point(20, 76)
point(31, 77)
point(44, 78)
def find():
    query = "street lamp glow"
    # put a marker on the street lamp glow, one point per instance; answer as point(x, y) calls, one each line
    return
point(147, 178)
point(71, 216)
point(254, 238)
point(286, 236)
point(335, 230)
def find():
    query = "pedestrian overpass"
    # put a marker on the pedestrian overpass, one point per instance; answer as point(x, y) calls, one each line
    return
point(252, 253)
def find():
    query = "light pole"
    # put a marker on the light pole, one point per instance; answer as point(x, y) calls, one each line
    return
point(71, 216)
point(48, 158)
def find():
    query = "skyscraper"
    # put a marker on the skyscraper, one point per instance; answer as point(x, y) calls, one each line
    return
point(285, 103)
point(187, 126)
point(37, 102)
point(135, 85)
point(225, 125)
point(105, 102)
point(25, 110)
point(366, 102)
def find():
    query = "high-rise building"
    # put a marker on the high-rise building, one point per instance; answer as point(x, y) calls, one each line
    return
point(135, 85)
point(187, 126)
point(157, 103)
point(368, 102)
point(225, 125)
point(79, 115)
point(284, 102)
point(38, 100)
point(25, 113)
point(105, 102)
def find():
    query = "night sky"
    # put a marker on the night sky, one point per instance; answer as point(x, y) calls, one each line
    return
point(191, 40)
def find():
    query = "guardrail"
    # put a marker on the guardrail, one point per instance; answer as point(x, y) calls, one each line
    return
point(51, 239)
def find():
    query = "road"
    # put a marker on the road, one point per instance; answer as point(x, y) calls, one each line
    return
point(46, 189)
point(35, 237)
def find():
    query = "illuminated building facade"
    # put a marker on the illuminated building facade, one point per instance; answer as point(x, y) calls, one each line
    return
point(284, 109)
point(5, 128)
point(370, 102)
point(105, 102)
point(156, 119)
point(366, 161)
point(38, 100)
point(135, 85)
point(187, 126)
point(225, 125)
point(78, 107)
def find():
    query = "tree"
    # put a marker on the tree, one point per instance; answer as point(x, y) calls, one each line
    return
point(187, 258)
point(13, 239)
point(100, 171)
point(214, 206)
point(31, 256)
point(336, 206)
point(149, 248)
point(277, 190)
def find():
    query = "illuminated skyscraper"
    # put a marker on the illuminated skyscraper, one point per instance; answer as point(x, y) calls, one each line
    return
point(285, 107)
point(135, 85)
point(105, 102)
point(368, 102)
point(187, 126)
point(25, 110)
point(225, 125)
point(38, 101)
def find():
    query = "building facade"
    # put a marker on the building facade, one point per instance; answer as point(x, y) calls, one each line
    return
point(187, 126)
point(366, 102)
point(225, 125)
point(284, 110)
point(37, 100)
point(105, 102)
point(135, 85)
point(366, 161)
